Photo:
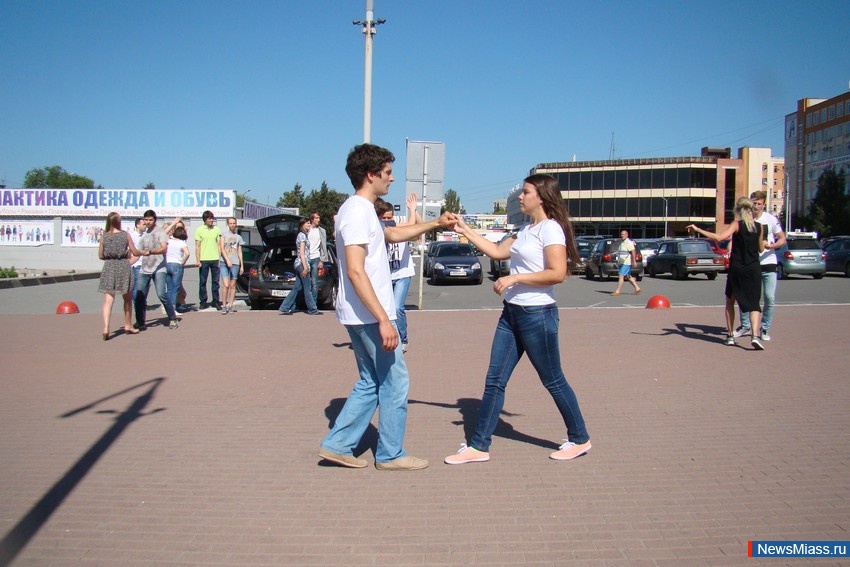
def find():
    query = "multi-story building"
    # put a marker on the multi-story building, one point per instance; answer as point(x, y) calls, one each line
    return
point(655, 197)
point(817, 137)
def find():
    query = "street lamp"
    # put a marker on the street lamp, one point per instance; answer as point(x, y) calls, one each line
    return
point(665, 216)
point(368, 31)
point(787, 197)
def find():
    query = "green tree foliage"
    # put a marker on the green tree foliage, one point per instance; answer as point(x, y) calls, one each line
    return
point(149, 186)
point(452, 202)
point(294, 198)
point(326, 202)
point(829, 211)
point(498, 209)
point(55, 177)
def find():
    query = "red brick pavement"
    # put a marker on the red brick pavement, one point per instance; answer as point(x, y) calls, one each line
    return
point(198, 446)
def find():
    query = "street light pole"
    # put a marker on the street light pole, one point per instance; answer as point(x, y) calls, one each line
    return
point(665, 216)
point(369, 24)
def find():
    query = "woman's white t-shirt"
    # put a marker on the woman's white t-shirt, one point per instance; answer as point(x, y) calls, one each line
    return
point(527, 257)
point(174, 252)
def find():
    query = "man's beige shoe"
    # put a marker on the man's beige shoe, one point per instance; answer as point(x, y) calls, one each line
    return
point(345, 460)
point(406, 463)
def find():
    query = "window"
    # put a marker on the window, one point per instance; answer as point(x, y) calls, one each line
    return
point(645, 178)
point(633, 179)
point(608, 180)
point(831, 112)
point(670, 179)
point(839, 110)
point(817, 118)
point(823, 115)
point(809, 119)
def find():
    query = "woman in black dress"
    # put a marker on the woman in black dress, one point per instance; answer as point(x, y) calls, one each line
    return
point(118, 253)
point(743, 284)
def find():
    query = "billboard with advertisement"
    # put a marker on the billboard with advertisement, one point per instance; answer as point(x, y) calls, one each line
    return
point(126, 202)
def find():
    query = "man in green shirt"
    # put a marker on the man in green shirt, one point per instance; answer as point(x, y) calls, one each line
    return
point(207, 255)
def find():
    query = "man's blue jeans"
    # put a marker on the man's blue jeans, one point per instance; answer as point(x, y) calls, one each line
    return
point(208, 266)
point(140, 297)
point(314, 277)
point(383, 383)
point(768, 288)
point(175, 279)
point(400, 287)
point(532, 330)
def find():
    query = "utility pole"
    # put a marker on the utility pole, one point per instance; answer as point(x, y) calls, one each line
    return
point(369, 24)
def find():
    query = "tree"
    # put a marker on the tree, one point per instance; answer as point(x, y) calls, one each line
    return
point(498, 209)
point(149, 186)
point(294, 198)
point(241, 199)
point(326, 202)
point(829, 211)
point(452, 202)
point(55, 177)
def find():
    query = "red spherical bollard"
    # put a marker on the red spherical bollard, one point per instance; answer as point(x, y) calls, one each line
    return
point(658, 302)
point(66, 308)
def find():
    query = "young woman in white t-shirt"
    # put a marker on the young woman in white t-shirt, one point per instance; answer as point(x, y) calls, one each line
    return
point(529, 323)
point(176, 255)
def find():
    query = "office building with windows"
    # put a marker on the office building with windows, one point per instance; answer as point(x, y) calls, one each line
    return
point(817, 137)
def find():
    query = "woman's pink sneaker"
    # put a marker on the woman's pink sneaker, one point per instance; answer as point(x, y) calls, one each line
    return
point(569, 451)
point(467, 455)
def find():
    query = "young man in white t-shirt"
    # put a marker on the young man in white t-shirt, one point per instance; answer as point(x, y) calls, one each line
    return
point(365, 305)
point(775, 241)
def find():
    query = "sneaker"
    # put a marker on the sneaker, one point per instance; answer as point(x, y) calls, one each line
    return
point(140, 326)
point(730, 340)
point(172, 324)
point(742, 332)
point(202, 306)
point(756, 342)
point(218, 306)
point(570, 450)
point(224, 311)
point(403, 347)
point(406, 463)
point(467, 455)
point(764, 335)
point(349, 461)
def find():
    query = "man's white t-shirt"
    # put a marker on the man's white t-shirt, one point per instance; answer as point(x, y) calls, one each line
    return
point(357, 224)
point(527, 256)
point(315, 238)
point(773, 228)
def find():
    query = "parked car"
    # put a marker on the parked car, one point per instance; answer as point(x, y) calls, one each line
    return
point(250, 254)
point(501, 267)
point(723, 248)
point(802, 256)
point(681, 258)
point(838, 255)
point(456, 262)
point(648, 247)
point(603, 260)
point(430, 252)
point(273, 276)
point(584, 247)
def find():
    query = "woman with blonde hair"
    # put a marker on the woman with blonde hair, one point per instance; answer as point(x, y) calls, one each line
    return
point(118, 253)
point(540, 253)
point(743, 283)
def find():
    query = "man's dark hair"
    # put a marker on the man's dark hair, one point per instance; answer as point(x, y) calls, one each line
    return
point(366, 158)
point(139, 220)
point(149, 213)
point(382, 207)
point(206, 215)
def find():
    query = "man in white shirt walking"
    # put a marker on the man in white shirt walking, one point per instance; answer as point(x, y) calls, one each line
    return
point(365, 305)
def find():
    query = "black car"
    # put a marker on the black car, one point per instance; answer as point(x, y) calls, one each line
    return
point(837, 252)
point(250, 255)
point(603, 260)
point(430, 253)
point(273, 276)
point(456, 262)
point(682, 258)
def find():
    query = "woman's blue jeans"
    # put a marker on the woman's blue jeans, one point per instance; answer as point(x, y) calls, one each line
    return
point(175, 280)
point(532, 330)
point(383, 384)
point(302, 283)
point(400, 288)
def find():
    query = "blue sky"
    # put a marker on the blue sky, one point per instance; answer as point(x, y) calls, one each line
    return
point(261, 95)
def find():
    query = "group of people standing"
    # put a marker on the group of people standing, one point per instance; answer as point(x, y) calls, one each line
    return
point(311, 253)
point(756, 235)
point(151, 253)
